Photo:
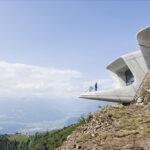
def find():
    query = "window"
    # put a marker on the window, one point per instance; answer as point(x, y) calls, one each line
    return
point(129, 77)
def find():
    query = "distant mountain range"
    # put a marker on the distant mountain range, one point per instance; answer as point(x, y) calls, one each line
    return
point(40, 115)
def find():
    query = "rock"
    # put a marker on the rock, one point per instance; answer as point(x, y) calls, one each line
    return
point(97, 127)
point(125, 128)
point(140, 100)
point(68, 137)
point(74, 146)
point(85, 129)
point(77, 146)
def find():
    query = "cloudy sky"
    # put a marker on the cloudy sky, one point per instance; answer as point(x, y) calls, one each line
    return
point(54, 48)
point(20, 81)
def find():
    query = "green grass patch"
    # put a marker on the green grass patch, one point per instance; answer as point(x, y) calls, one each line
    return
point(18, 137)
point(40, 141)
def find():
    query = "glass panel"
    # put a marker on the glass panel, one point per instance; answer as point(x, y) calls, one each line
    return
point(129, 77)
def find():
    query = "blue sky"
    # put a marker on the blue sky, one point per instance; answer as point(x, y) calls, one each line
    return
point(80, 35)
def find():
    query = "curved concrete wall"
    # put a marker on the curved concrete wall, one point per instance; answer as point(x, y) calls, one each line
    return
point(137, 62)
point(143, 38)
point(122, 93)
point(132, 61)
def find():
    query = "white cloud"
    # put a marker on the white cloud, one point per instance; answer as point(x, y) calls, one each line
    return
point(25, 81)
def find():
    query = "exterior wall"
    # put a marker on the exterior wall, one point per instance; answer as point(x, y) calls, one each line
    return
point(137, 62)
point(113, 68)
point(122, 93)
point(143, 38)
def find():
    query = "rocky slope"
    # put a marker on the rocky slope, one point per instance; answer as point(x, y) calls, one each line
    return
point(116, 127)
point(113, 128)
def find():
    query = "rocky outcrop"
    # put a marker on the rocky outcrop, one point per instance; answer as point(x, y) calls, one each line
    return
point(113, 128)
point(143, 93)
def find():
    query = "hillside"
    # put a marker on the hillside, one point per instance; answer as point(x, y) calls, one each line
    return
point(110, 128)
point(113, 128)
point(116, 127)
point(40, 141)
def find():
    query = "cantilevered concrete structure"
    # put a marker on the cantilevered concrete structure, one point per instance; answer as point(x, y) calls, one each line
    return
point(128, 72)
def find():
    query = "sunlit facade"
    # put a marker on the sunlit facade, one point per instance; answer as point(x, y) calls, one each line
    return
point(127, 72)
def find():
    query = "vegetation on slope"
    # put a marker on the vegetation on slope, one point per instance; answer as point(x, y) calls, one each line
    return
point(113, 128)
point(40, 141)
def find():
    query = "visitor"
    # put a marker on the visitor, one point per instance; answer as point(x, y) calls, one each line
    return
point(96, 86)
point(90, 89)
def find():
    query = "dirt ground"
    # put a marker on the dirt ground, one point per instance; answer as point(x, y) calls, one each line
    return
point(113, 128)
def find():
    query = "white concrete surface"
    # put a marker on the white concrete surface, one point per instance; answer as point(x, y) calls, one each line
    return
point(143, 38)
point(137, 62)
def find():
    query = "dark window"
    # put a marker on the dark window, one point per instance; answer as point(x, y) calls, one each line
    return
point(129, 77)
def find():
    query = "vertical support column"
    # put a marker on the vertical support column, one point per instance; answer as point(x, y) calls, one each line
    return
point(143, 38)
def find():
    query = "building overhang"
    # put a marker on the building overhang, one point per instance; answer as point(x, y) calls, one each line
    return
point(137, 62)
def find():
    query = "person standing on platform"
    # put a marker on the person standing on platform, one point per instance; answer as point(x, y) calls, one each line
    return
point(96, 86)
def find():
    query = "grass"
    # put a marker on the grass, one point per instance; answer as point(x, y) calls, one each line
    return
point(40, 141)
point(18, 137)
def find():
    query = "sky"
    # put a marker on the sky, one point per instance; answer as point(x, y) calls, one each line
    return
point(51, 51)
point(68, 43)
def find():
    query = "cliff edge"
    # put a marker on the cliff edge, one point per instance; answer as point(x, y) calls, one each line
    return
point(113, 128)
point(116, 127)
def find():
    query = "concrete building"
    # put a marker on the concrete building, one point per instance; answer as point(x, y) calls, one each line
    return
point(127, 71)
